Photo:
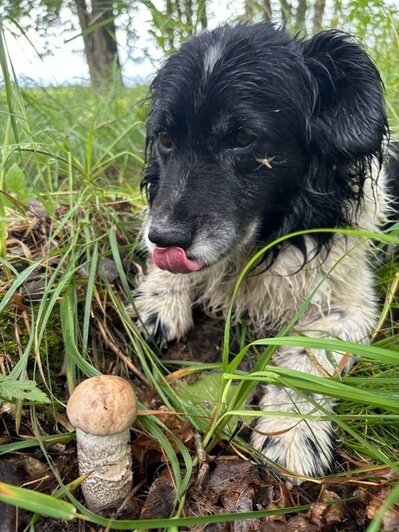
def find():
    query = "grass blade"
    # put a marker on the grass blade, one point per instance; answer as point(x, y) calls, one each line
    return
point(36, 502)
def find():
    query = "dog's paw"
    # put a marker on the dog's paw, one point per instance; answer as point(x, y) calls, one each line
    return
point(152, 325)
point(302, 446)
point(161, 322)
point(162, 309)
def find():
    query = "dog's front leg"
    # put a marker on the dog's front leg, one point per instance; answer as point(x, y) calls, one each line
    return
point(306, 446)
point(163, 302)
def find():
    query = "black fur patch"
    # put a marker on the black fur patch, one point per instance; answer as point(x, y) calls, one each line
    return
point(319, 466)
point(269, 442)
point(159, 330)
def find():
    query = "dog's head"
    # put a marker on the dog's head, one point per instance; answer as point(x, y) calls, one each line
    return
point(254, 134)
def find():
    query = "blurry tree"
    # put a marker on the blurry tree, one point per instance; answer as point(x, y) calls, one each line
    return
point(97, 24)
point(176, 21)
point(292, 13)
point(301, 14)
point(311, 16)
point(172, 22)
point(249, 9)
point(375, 22)
point(254, 8)
point(268, 9)
point(285, 11)
point(96, 19)
point(318, 13)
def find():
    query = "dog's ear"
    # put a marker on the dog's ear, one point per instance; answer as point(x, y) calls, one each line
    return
point(348, 121)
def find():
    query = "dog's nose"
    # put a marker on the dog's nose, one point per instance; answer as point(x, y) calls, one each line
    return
point(170, 236)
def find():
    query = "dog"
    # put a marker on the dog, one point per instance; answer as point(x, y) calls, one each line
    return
point(254, 134)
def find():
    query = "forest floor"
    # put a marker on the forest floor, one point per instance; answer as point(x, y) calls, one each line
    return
point(37, 445)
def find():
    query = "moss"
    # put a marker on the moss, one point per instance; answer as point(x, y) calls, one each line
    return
point(8, 341)
point(52, 344)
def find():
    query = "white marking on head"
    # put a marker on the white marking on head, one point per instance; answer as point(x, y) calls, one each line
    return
point(211, 57)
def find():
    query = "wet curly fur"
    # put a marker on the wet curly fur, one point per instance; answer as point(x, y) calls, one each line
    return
point(254, 134)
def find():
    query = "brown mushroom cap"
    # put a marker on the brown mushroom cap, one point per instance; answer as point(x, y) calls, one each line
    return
point(102, 405)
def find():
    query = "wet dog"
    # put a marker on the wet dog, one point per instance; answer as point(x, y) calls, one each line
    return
point(254, 134)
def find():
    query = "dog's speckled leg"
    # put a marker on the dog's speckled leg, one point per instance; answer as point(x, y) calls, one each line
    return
point(163, 303)
point(306, 446)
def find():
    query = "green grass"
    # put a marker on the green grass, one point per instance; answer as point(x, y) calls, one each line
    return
point(80, 153)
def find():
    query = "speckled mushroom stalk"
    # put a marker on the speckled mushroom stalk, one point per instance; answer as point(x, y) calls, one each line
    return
point(102, 409)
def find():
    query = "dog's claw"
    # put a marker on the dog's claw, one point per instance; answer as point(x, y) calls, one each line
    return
point(150, 326)
point(157, 330)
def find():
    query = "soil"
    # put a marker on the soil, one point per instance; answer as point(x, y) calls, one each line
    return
point(222, 483)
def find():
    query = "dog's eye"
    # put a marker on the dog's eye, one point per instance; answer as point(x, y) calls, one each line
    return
point(165, 140)
point(241, 139)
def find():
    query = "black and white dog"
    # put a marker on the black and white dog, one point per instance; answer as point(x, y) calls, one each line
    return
point(254, 134)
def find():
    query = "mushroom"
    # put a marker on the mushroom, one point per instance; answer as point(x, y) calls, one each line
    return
point(102, 409)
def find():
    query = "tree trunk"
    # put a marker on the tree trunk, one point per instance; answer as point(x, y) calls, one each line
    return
point(188, 12)
point(301, 15)
point(318, 14)
point(169, 30)
point(286, 11)
point(100, 45)
point(267, 10)
point(249, 10)
point(178, 9)
point(203, 14)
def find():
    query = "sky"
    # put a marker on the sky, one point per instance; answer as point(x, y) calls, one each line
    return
point(66, 64)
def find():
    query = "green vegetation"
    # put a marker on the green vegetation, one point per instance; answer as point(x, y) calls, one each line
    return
point(70, 213)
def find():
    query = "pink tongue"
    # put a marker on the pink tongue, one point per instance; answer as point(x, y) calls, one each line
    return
point(175, 260)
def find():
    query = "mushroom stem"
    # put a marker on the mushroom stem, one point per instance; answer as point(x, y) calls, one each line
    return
point(109, 462)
